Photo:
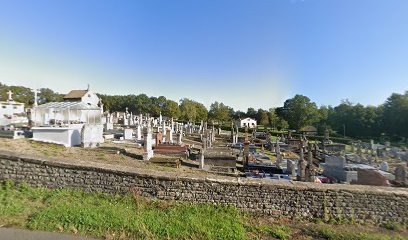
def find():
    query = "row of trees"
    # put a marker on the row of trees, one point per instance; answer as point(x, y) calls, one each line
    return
point(26, 95)
point(353, 120)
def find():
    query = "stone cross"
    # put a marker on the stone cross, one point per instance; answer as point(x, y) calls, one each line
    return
point(160, 118)
point(35, 91)
point(10, 96)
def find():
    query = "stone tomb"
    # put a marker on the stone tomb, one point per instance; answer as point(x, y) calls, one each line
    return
point(92, 135)
point(219, 160)
point(172, 150)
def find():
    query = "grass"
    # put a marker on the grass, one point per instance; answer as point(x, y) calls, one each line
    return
point(134, 217)
point(350, 234)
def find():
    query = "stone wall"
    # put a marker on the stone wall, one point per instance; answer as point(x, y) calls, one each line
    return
point(272, 198)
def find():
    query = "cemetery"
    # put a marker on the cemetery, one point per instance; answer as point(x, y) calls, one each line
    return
point(80, 122)
point(113, 152)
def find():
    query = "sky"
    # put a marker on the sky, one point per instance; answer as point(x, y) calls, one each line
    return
point(244, 53)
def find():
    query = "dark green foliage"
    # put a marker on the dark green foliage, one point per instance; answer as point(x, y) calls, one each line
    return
point(26, 96)
point(220, 112)
point(299, 111)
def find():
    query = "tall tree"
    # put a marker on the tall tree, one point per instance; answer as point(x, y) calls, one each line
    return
point(262, 117)
point(171, 109)
point(299, 111)
point(251, 112)
point(220, 112)
point(188, 110)
point(396, 115)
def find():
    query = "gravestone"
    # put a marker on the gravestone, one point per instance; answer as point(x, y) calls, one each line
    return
point(290, 168)
point(278, 159)
point(159, 138)
point(128, 133)
point(400, 174)
point(246, 148)
point(310, 174)
point(138, 132)
point(179, 135)
point(91, 135)
point(302, 166)
point(147, 146)
point(201, 160)
point(384, 166)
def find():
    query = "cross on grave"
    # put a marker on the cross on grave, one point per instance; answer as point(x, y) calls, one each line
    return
point(36, 92)
point(10, 94)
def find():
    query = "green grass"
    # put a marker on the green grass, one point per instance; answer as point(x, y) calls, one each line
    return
point(102, 215)
point(334, 234)
point(135, 217)
point(275, 231)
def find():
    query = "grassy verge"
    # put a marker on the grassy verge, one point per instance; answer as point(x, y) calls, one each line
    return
point(134, 217)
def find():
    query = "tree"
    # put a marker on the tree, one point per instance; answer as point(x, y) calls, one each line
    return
point(251, 112)
point(202, 112)
point(171, 109)
point(395, 116)
point(282, 124)
point(220, 112)
point(188, 110)
point(299, 111)
point(262, 118)
point(237, 114)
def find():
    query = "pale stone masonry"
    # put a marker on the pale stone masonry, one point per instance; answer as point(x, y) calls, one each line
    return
point(272, 198)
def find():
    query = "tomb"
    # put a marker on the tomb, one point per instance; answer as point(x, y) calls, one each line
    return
point(219, 160)
point(172, 150)
point(12, 113)
point(62, 122)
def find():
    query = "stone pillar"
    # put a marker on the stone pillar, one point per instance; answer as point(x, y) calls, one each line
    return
point(310, 174)
point(232, 134)
point(138, 132)
point(179, 136)
point(204, 142)
point(301, 166)
point(125, 120)
point(201, 160)
point(277, 148)
point(290, 168)
point(246, 148)
point(148, 152)
point(278, 159)
point(169, 136)
point(400, 174)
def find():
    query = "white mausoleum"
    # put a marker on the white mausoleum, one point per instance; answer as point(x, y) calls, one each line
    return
point(63, 122)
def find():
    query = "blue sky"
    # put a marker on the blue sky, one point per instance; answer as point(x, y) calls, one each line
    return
point(249, 53)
